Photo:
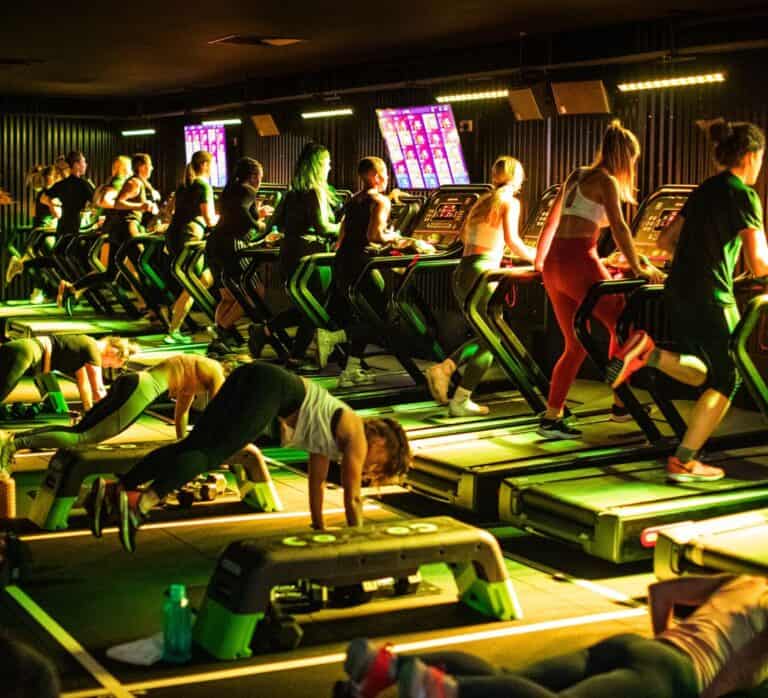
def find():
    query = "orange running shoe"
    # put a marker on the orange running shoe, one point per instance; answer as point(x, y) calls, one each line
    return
point(692, 471)
point(630, 357)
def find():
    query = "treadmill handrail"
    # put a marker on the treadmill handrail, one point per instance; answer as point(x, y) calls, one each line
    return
point(756, 309)
point(298, 289)
point(487, 321)
point(581, 321)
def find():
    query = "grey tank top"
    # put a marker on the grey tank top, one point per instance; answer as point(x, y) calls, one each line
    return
point(313, 431)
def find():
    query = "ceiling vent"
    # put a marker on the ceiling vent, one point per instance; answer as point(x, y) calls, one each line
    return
point(253, 40)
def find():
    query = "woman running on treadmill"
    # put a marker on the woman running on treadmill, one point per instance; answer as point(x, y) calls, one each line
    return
point(251, 399)
point(706, 238)
point(45, 218)
point(193, 214)
point(720, 648)
point(105, 197)
point(73, 354)
point(493, 222)
point(303, 215)
point(183, 376)
point(590, 199)
point(240, 215)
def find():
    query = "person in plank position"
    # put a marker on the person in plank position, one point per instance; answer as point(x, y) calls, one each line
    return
point(183, 376)
point(251, 399)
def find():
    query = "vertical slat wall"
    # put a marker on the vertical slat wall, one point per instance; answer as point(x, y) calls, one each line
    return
point(30, 139)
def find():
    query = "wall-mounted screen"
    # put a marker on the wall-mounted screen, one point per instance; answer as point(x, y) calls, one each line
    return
point(214, 140)
point(424, 146)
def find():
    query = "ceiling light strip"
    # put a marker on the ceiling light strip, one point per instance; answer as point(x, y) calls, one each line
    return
point(139, 132)
point(222, 122)
point(661, 83)
point(326, 114)
point(472, 96)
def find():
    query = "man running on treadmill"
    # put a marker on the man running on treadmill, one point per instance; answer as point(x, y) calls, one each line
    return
point(72, 194)
point(721, 215)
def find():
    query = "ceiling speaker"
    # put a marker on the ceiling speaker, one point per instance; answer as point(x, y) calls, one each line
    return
point(524, 104)
point(586, 97)
point(265, 125)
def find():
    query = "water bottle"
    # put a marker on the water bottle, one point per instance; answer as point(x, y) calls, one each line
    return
point(177, 626)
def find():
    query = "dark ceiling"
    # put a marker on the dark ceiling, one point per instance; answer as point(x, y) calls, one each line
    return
point(139, 48)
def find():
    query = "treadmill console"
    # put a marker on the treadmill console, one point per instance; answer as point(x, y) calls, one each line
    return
point(534, 225)
point(655, 214)
point(443, 216)
point(269, 195)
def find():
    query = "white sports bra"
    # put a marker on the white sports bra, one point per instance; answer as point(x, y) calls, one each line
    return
point(586, 208)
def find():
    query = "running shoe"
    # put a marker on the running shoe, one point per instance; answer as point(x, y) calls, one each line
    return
point(557, 429)
point(326, 343)
point(439, 380)
point(419, 680)
point(692, 471)
point(130, 518)
point(629, 358)
point(15, 267)
point(101, 504)
point(37, 297)
point(371, 671)
point(466, 408)
point(177, 338)
point(356, 376)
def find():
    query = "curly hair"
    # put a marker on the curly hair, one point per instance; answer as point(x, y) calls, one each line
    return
point(396, 443)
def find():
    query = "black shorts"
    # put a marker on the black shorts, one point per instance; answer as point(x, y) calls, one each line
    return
point(704, 330)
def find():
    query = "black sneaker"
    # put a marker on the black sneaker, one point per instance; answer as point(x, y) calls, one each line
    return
point(101, 504)
point(621, 414)
point(557, 429)
point(130, 518)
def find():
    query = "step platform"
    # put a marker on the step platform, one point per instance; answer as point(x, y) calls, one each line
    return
point(236, 610)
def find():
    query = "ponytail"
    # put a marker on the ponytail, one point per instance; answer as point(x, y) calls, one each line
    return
point(732, 140)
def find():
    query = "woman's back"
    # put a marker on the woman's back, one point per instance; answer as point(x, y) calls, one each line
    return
point(584, 211)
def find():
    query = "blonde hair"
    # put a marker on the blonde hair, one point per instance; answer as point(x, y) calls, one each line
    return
point(195, 166)
point(124, 348)
point(618, 153)
point(507, 175)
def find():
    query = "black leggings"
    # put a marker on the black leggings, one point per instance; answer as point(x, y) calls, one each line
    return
point(624, 666)
point(17, 357)
point(247, 404)
point(125, 402)
point(101, 278)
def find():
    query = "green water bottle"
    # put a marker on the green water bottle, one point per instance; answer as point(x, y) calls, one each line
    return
point(177, 626)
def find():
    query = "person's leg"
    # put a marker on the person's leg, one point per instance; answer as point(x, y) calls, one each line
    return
point(16, 358)
point(567, 367)
point(126, 400)
point(249, 400)
point(257, 489)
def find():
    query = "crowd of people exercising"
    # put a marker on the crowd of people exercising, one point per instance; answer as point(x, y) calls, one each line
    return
point(706, 237)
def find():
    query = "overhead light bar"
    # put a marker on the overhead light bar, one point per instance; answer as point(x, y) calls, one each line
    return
point(326, 114)
point(223, 122)
point(139, 132)
point(472, 96)
point(672, 82)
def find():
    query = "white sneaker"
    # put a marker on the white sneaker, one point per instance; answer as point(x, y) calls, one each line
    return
point(356, 376)
point(37, 297)
point(326, 341)
point(466, 408)
point(439, 380)
point(15, 267)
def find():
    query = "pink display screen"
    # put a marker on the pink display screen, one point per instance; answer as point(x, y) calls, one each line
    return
point(424, 146)
point(214, 140)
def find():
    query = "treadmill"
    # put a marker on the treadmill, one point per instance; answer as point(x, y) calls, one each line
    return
point(467, 471)
point(439, 222)
point(614, 510)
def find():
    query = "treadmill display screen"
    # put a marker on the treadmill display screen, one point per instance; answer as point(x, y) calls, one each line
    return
point(424, 146)
point(446, 212)
point(214, 140)
point(665, 218)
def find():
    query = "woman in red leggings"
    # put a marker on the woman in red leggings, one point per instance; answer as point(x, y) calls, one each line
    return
point(590, 199)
